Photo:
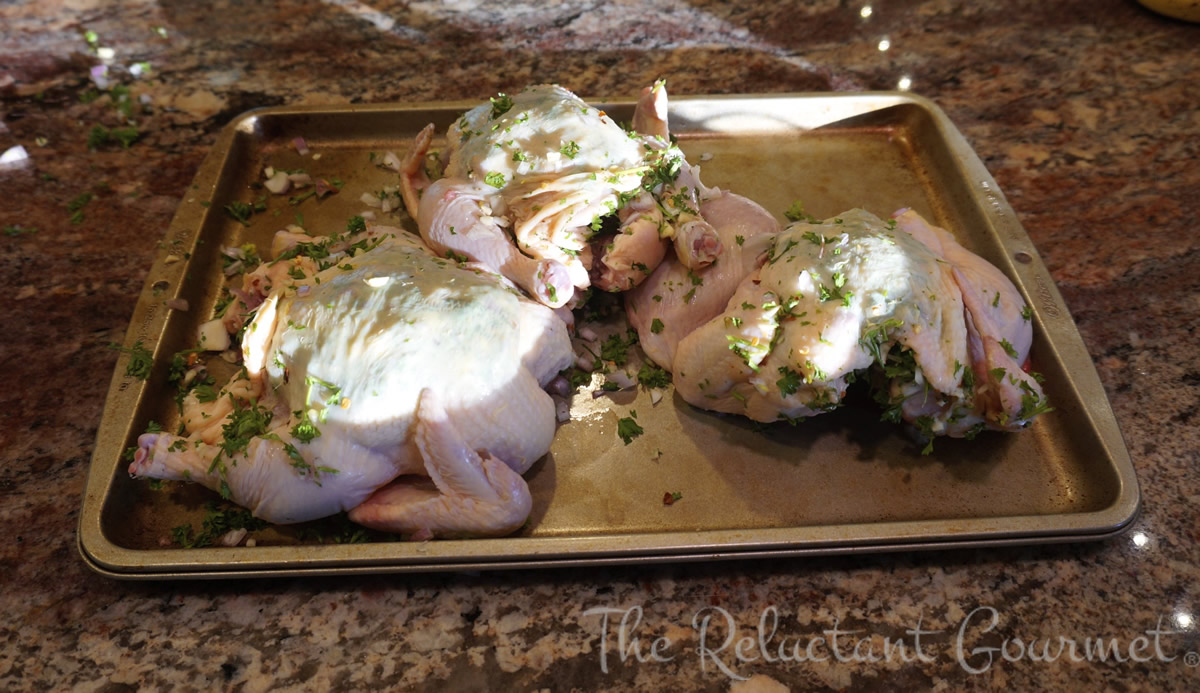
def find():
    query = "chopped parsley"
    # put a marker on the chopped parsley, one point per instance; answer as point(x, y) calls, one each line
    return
point(925, 425)
point(100, 136)
point(1027, 313)
point(305, 431)
point(140, 360)
point(817, 239)
point(876, 335)
point(355, 224)
point(501, 103)
point(76, 205)
point(651, 376)
point(494, 179)
point(774, 256)
point(789, 383)
point(570, 149)
point(205, 392)
point(246, 421)
point(1032, 403)
point(1008, 347)
point(670, 497)
point(217, 522)
point(796, 211)
point(11, 230)
point(616, 347)
point(628, 428)
point(240, 211)
point(656, 326)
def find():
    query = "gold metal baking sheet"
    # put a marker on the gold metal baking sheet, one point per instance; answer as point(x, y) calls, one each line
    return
point(839, 483)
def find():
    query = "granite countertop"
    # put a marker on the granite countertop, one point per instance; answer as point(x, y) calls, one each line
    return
point(1086, 112)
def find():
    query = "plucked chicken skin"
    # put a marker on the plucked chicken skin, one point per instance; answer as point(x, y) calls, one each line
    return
point(399, 386)
point(945, 332)
point(528, 180)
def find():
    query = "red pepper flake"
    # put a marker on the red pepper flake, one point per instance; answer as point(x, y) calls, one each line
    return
point(670, 497)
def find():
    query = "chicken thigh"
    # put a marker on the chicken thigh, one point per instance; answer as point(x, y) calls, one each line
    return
point(676, 299)
point(389, 363)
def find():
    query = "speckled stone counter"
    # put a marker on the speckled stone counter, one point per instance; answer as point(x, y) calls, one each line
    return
point(1087, 113)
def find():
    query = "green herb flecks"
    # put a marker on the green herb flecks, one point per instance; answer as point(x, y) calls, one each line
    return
point(616, 347)
point(76, 205)
point(628, 428)
point(140, 360)
point(12, 230)
point(501, 103)
point(789, 383)
point(651, 376)
point(795, 212)
point(217, 522)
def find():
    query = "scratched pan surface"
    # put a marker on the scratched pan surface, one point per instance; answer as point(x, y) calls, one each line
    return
point(843, 482)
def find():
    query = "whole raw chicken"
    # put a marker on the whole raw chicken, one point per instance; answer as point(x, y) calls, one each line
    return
point(946, 331)
point(389, 363)
point(548, 167)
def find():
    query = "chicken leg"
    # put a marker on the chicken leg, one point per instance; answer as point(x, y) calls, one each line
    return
point(474, 493)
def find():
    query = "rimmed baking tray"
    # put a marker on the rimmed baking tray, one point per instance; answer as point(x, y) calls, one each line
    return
point(840, 483)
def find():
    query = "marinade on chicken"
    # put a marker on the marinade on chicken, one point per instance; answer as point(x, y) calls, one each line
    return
point(946, 333)
point(528, 180)
point(393, 384)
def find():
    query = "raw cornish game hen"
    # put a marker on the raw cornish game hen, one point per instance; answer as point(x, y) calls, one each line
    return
point(402, 387)
point(944, 333)
point(545, 169)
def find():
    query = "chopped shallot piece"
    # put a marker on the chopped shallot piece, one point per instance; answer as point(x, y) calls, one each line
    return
point(622, 378)
point(656, 395)
point(390, 160)
point(212, 336)
point(559, 386)
point(300, 179)
point(177, 304)
point(324, 187)
point(278, 183)
point(370, 200)
point(233, 537)
point(562, 408)
point(588, 333)
point(301, 146)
